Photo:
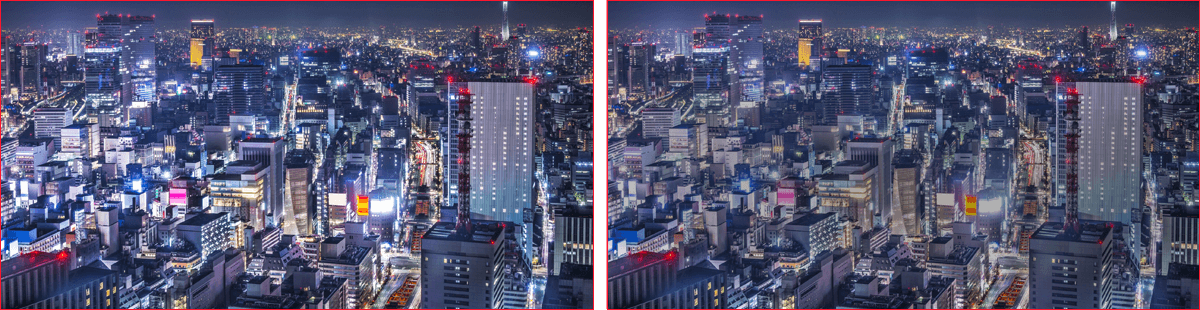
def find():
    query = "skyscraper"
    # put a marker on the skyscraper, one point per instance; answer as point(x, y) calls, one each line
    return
point(139, 37)
point(641, 56)
point(463, 270)
point(1061, 266)
point(810, 41)
point(32, 55)
point(847, 89)
point(504, 25)
point(710, 79)
point(238, 89)
point(201, 41)
point(747, 36)
point(1110, 149)
point(501, 151)
point(102, 70)
point(269, 153)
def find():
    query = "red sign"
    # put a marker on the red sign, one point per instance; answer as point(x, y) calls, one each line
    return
point(363, 205)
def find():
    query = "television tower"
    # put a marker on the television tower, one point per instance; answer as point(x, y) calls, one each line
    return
point(1071, 114)
point(504, 27)
point(1112, 26)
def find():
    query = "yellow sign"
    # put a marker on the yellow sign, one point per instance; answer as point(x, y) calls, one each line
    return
point(972, 202)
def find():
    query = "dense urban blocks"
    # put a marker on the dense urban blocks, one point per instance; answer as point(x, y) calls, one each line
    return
point(297, 155)
point(895, 155)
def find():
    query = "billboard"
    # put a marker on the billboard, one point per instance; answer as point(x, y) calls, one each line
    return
point(364, 205)
point(972, 202)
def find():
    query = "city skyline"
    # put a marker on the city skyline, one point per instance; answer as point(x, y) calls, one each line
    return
point(783, 14)
point(896, 155)
point(313, 14)
point(323, 160)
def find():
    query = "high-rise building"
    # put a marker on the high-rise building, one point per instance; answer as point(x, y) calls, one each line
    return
point(208, 232)
point(463, 269)
point(241, 191)
point(300, 176)
point(683, 43)
point(747, 39)
point(341, 257)
point(657, 122)
point(909, 218)
point(201, 42)
point(1179, 240)
point(877, 152)
point(139, 62)
point(710, 79)
point(641, 57)
point(269, 152)
point(501, 162)
point(573, 240)
point(32, 56)
point(848, 90)
point(102, 70)
point(1110, 149)
point(811, 39)
point(928, 62)
point(49, 122)
point(238, 90)
point(1071, 270)
point(639, 277)
point(40, 280)
point(324, 62)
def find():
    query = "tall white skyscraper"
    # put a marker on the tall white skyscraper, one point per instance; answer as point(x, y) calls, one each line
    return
point(1110, 149)
point(501, 149)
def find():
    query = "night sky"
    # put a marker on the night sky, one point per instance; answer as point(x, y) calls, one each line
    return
point(236, 14)
point(838, 14)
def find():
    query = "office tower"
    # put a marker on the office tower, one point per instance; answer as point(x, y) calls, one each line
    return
point(475, 43)
point(208, 232)
point(81, 139)
point(848, 90)
point(657, 122)
point(501, 149)
point(641, 56)
point(49, 122)
point(850, 190)
point(139, 37)
point(32, 56)
point(952, 259)
point(463, 269)
point(811, 39)
point(877, 152)
point(747, 39)
point(1179, 240)
point(300, 176)
point(521, 31)
point(639, 277)
point(269, 152)
point(573, 239)
point(683, 43)
point(718, 29)
point(238, 90)
point(102, 70)
point(1109, 149)
point(618, 66)
point(710, 79)
point(201, 42)
point(241, 191)
point(32, 277)
point(817, 232)
point(74, 43)
point(392, 164)
point(354, 261)
point(322, 62)
point(1083, 41)
point(928, 63)
point(1072, 270)
point(909, 218)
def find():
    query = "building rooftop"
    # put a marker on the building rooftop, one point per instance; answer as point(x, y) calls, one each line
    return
point(1090, 232)
point(637, 261)
point(201, 219)
point(481, 232)
point(811, 218)
point(29, 260)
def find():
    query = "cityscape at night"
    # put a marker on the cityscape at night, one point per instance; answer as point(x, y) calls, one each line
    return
point(318, 155)
point(902, 155)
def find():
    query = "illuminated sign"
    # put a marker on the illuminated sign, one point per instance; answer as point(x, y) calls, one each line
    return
point(972, 201)
point(364, 205)
point(178, 197)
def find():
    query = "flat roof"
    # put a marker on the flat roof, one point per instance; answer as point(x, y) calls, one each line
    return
point(481, 231)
